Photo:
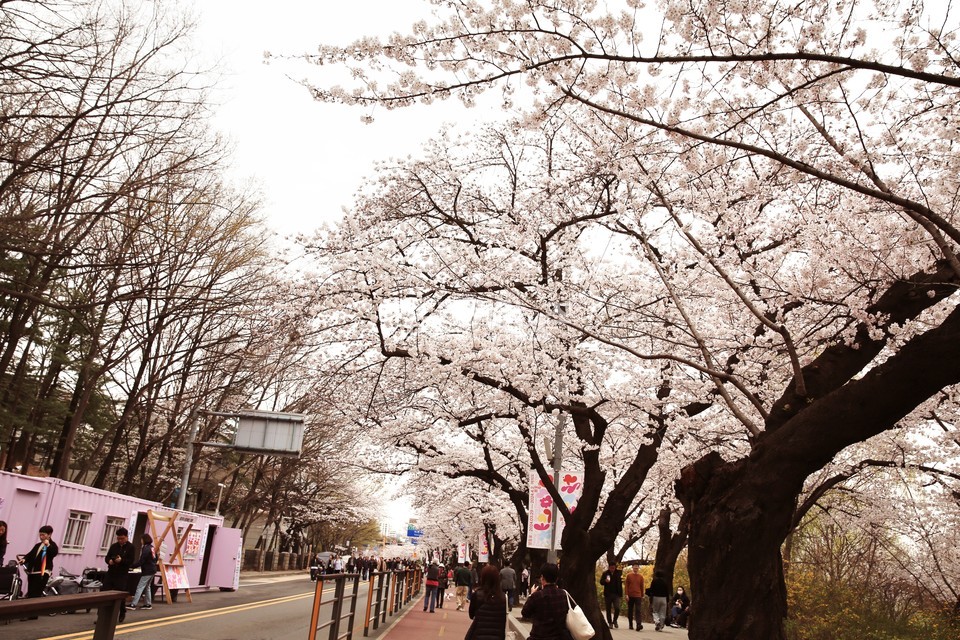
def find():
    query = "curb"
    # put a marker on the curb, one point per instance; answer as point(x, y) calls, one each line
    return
point(517, 627)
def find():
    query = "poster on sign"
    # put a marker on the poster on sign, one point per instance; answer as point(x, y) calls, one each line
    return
point(539, 524)
point(483, 548)
point(463, 552)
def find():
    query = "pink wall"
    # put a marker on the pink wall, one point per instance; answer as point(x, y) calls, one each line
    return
point(27, 503)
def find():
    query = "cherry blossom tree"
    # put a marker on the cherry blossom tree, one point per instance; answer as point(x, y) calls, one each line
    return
point(441, 291)
point(788, 177)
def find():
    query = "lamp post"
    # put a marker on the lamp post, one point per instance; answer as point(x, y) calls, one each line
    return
point(557, 462)
point(188, 460)
point(557, 448)
point(219, 495)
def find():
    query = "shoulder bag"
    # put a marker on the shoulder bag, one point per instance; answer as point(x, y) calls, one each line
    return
point(577, 623)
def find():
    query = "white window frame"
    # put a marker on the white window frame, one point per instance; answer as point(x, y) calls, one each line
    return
point(110, 532)
point(75, 533)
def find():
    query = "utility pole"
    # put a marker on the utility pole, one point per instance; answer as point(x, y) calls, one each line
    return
point(219, 495)
point(557, 462)
point(557, 453)
point(188, 462)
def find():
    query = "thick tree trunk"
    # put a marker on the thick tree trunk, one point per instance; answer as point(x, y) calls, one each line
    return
point(741, 512)
point(739, 519)
point(578, 577)
point(670, 544)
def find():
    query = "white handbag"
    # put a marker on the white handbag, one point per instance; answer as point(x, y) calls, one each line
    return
point(577, 623)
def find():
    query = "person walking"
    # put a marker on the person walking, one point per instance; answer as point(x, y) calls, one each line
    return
point(547, 607)
point(525, 582)
point(658, 593)
point(474, 579)
point(38, 563)
point(443, 581)
point(488, 607)
point(148, 569)
point(612, 581)
point(432, 582)
point(508, 582)
point(119, 560)
point(461, 580)
point(635, 590)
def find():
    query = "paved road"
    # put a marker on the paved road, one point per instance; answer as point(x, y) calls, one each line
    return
point(264, 608)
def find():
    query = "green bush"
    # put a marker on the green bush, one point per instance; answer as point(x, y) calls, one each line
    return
point(823, 611)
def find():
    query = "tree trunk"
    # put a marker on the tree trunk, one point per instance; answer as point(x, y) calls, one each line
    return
point(741, 512)
point(670, 544)
point(738, 520)
point(578, 576)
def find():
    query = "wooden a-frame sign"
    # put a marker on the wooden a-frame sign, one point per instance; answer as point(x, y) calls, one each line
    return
point(173, 573)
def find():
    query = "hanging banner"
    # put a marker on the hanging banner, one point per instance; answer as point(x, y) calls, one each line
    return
point(483, 550)
point(463, 552)
point(540, 512)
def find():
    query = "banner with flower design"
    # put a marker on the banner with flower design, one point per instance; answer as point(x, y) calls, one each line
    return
point(540, 513)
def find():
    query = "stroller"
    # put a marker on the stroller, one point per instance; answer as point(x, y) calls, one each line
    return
point(10, 584)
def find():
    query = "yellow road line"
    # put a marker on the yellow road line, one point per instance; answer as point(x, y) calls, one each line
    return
point(185, 617)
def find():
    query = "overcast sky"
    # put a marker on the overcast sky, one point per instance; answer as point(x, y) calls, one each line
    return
point(307, 157)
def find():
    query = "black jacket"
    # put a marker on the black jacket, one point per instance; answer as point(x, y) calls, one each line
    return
point(33, 560)
point(147, 561)
point(659, 589)
point(614, 587)
point(489, 617)
point(125, 551)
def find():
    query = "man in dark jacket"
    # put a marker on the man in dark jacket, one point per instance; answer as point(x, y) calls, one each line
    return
point(658, 593)
point(508, 582)
point(462, 581)
point(120, 557)
point(38, 564)
point(547, 607)
point(612, 581)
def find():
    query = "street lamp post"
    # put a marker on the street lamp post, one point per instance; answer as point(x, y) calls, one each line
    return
point(557, 461)
point(219, 495)
point(557, 451)
point(188, 461)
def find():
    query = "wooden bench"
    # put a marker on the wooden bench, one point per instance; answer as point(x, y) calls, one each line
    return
point(107, 604)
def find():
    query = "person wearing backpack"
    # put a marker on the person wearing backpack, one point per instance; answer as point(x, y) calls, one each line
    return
point(148, 569)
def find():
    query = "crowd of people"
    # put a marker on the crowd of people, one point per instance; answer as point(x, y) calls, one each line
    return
point(488, 595)
point(364, 565)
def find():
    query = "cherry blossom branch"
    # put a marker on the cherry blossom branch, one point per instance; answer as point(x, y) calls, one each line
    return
point(713, 373)
point(904, 203)
point(867, 170)
point(701, 345)
point(781, 329)
point(432, 91)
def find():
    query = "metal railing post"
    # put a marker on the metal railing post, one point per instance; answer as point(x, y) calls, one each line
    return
point(390, 592)
point(315, 613)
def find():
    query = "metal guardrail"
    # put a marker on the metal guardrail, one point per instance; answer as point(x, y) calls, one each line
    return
point(378, 599)
point(388, 592)
point(108, 605)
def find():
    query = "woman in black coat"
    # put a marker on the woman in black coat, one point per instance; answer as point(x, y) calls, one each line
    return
point(488, 608)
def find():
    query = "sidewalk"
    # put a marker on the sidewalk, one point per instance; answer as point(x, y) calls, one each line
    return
point(417, 624)
point(522, 629)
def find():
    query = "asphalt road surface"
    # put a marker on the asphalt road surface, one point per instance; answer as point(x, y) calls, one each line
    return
point(263, 608)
